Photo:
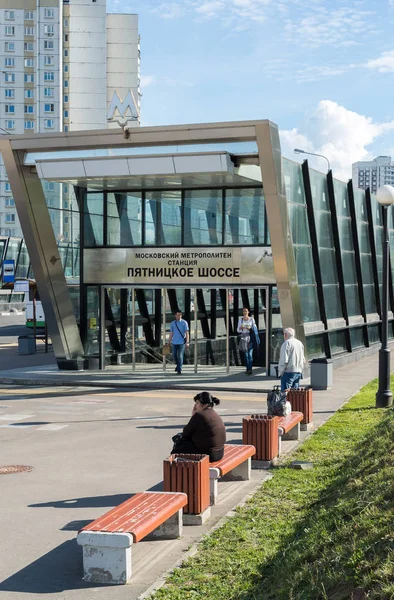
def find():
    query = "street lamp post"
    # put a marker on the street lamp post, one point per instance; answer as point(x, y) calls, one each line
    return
point(384, 397)
point(298, 151)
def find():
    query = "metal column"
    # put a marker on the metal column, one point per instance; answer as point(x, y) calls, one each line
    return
point(102, 329)
point(133, 326)
point(227, 333)
point(163, 292)
point(195, 331)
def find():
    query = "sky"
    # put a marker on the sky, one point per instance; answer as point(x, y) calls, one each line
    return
point(323, 70)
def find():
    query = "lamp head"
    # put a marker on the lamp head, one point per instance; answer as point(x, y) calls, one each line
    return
point(385, 195)
point(298, 151)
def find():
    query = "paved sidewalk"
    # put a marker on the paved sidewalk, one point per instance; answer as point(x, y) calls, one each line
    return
point(114, 445)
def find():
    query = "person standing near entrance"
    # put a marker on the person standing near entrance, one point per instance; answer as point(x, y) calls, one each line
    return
point(245, 326)
point(291, 361)
point(179, 338)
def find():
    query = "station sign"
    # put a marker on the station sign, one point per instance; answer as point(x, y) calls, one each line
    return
point(189, 267)
point(8, 271)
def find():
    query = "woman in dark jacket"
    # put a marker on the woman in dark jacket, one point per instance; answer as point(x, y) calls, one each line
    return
point(205, 433)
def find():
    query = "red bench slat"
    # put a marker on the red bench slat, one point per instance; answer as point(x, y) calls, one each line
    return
point(140, 514)
point(288, 422)
point(234, 455)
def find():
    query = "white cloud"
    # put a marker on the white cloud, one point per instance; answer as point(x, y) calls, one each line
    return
point(383, 64)
point(341, 27)
point(147, 80)
point(333, 131)
point(228, 11)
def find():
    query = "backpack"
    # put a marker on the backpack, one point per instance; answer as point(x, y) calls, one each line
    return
point(277, 403)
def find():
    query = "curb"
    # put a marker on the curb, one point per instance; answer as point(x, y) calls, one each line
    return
point(8, 314)
point(117, 384)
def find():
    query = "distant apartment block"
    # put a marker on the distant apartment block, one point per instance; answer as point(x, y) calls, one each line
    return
point(61, 61)
point(373, 174)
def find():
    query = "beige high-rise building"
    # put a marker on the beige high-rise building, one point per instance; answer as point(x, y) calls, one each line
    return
point(65, 65)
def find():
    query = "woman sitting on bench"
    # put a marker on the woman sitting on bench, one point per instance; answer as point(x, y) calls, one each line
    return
point(205, 433)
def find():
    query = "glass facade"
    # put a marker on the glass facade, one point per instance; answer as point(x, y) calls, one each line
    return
point(207, 217)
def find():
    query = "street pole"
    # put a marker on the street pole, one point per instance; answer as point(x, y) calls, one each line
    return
point(384, 396)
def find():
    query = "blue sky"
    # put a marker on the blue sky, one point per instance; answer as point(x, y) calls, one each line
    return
point(323, 70)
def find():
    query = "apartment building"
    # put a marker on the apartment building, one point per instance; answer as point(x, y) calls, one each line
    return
point(373, 173)
point(62, 62)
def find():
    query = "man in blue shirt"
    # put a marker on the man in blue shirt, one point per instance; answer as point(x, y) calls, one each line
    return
point(179, 338)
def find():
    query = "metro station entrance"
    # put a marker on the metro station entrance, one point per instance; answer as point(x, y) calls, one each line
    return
point(130, 325)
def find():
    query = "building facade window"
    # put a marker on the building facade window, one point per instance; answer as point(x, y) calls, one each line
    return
point(66, 128)
point(29, 93)
point(9, 202)
point(29, 62)
point(49, 60)
point(9, 77)
point(9, 93)
point(49, 45)
point(7, 186)
point(49, 13)
point(29, 124)
point(10, 218)
point(10, 124)
point(9, 46)
point(49, 92)
point(66, 83)
point(9, 30)
point(49, 76)
point(29, 15)
point(9, 15)
point(9, 62)
point(29, 31)
point(9, 109)
point(29, 109)
point(66, 114)
point(66, 53)
point(65, 99)
point(49, 108)
point(28, 77)
point(66, 68)
point(49, 123)
point(9, 232)
point(49, 29)
point(29, 46)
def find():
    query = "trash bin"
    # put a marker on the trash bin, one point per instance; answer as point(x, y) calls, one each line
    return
point(321, 373)
point(26, 344)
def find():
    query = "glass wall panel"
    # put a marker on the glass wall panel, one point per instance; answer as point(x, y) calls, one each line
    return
point(244, 217)
point(93, 321)
point(326, 249)
point(374, 334)
point(94, 219)
point(203, 217)
point(295, 195)
point(124, 219)
point(163, 218)
point(309, 303)
point(365, 250)
point(22, 268)
point(13, 249)
point(338, 342)
point(357, 337)
point(315, 347)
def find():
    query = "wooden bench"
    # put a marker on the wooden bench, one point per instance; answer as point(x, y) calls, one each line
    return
point(289, 427)
point(234, 466)
point(107, 541)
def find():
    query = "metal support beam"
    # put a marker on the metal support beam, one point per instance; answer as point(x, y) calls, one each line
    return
point(44, 256)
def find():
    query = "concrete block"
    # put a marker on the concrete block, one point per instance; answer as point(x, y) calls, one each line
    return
point(264, 464)
point(190, 519)
point(169, 530)
point(240, 473)
point(306, 426)
point(214, 475)
point(293, 434)
point(106, 556)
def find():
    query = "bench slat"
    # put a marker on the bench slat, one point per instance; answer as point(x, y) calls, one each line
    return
point(234, 454)
point(288, 422)
point(139, 515)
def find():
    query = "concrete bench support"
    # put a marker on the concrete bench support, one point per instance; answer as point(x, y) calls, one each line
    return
point(106, 556)
point(292, 434)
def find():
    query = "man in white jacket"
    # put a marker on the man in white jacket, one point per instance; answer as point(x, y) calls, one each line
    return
point(291, 361)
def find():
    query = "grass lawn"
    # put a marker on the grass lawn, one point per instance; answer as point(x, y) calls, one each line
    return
point(325, 533)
